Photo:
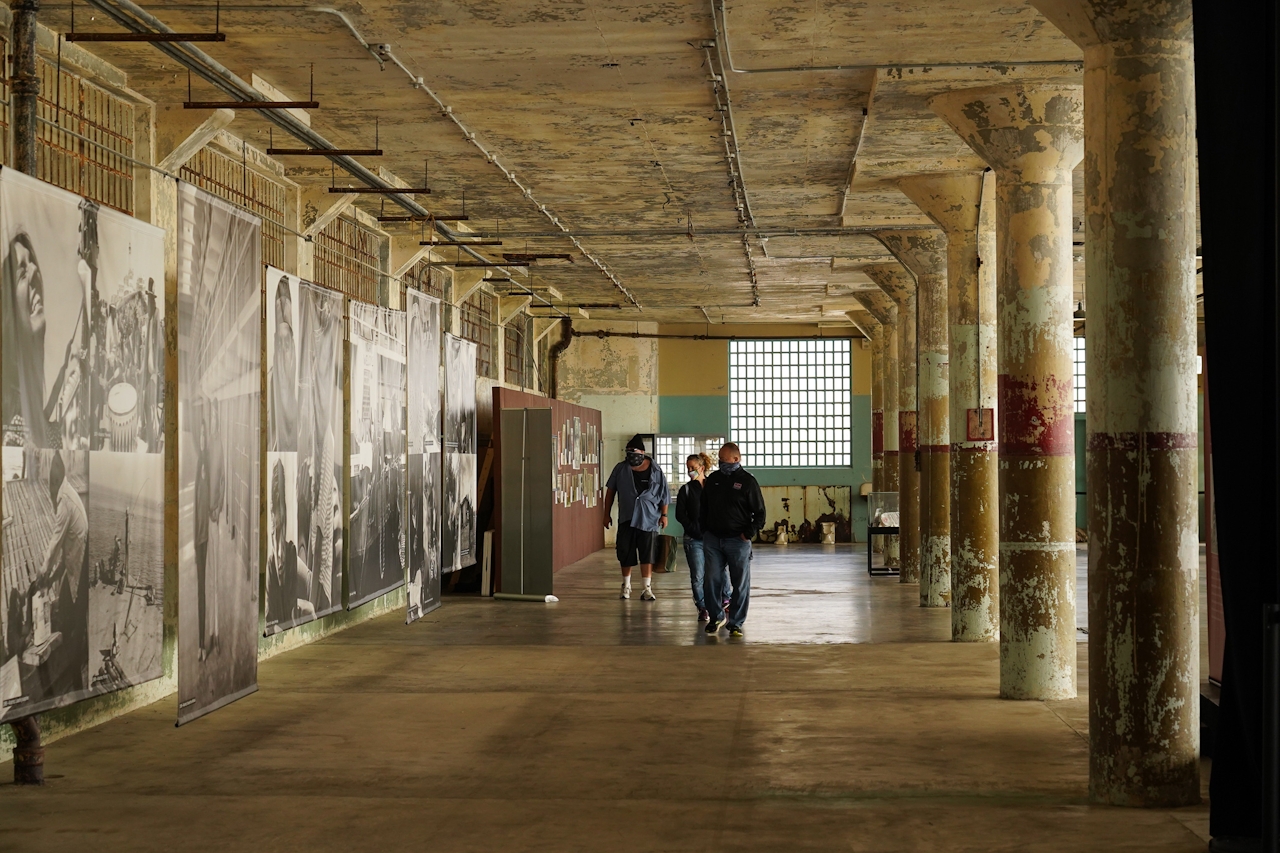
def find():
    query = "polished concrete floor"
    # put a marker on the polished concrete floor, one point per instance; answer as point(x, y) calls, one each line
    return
point(843, 721)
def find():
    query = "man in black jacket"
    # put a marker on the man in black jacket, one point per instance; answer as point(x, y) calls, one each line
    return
point(732, 514)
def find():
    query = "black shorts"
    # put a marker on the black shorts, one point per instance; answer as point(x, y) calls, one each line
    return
point(635, 547)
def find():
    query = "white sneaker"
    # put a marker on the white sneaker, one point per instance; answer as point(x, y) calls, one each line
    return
point(647, 594)
point(626, 591)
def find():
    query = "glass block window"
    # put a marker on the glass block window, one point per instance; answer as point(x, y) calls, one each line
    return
point(789, 402)
point(670, 452)
point(1077, 372)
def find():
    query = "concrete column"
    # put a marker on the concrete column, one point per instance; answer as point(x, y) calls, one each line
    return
point(874, 332)
point(898, 284)
point(885, 311)
point(1140, 238)
point(954, 202)
point(924, 253)
point(1033, 136)
point(25, 84)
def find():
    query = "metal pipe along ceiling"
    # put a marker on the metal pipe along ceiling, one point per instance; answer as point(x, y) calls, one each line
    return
point(136, 19)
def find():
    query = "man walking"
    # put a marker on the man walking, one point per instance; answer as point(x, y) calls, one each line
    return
point(643, 497)
point(732, 515)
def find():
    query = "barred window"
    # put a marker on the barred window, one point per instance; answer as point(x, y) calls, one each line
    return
point(515, 336)
point(70, 104)
point(789, 402)
point(232, 181)
point(478, 327)
point(1077, 372)
point(429, 278)
point(348, 259)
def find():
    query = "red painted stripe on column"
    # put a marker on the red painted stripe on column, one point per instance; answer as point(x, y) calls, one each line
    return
point(907, 432)
point(1037, 418)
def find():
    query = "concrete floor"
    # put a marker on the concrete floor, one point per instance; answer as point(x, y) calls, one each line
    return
point(843, 721)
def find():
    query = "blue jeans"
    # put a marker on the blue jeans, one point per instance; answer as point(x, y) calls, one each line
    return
point(730, 557)
point(703, 596)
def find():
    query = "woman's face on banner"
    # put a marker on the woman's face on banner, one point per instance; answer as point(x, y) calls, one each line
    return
point(28, 288)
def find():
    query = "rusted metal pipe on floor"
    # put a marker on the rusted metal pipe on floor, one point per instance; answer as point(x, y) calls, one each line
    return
point(923, 253)
point(953, 200)
point(1033, 136)
point(1140, 289)
point(28, 754)
point(898, 284)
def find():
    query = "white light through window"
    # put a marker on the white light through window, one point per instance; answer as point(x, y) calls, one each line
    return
point(1077, 373)
point(789, 402)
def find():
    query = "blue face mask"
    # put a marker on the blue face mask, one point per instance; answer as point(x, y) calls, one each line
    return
point(730, 467)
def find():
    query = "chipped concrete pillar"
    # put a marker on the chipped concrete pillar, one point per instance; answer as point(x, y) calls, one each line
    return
point(869, 326)
point(924, 254)
point(898, 284)
point(1033, 136)
point(1140, 238)
point(885, 312)
point(954, 201)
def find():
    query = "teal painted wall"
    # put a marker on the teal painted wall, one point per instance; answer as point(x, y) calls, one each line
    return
point(701, 415)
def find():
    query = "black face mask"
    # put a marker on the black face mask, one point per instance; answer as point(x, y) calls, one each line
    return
point(634, 458)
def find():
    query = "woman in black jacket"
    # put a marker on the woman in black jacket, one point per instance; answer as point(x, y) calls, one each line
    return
point(688, 513)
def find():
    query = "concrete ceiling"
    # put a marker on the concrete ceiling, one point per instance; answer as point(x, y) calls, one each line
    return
point(607, 113)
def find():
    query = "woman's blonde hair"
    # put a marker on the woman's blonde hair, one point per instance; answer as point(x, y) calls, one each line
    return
point(703, 460)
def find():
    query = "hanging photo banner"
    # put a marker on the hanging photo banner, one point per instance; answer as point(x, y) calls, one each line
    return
point(375, 557)
point(423, 362)
point(304, 458)
point(82, 574)
point(219, 396)
point(458, 539)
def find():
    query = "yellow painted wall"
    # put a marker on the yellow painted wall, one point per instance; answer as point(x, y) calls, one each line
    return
point(694, 368)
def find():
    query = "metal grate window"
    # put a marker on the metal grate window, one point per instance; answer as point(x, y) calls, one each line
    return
point(1077, 372)
point(515, 362)
point(348, 259)
point(429, 278)
point(479, 328)
point(99, 171)
point(233, 181)
point(789, 402)
point(543, 363)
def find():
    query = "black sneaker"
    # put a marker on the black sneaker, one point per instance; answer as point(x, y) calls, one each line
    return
point(714, 626)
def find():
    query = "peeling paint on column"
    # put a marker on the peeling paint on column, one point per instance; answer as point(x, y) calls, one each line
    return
point(898, 284)
point(955, 201)
point(1032, 135)
point(885, 312)
point(1140, 186)
point(924, 254)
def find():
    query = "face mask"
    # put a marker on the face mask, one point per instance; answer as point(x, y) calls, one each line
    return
point(634, 459)
point(693, 473)
point(730, 467)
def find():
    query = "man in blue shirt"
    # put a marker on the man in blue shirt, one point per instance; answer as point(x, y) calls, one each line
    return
point(643, 497)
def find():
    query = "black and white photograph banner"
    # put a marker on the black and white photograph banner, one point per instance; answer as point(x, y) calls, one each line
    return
point(304, 463)
point(376, 553)
point(82, 572)
point(458, 538)
point(423, 363)
point(219, 397)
